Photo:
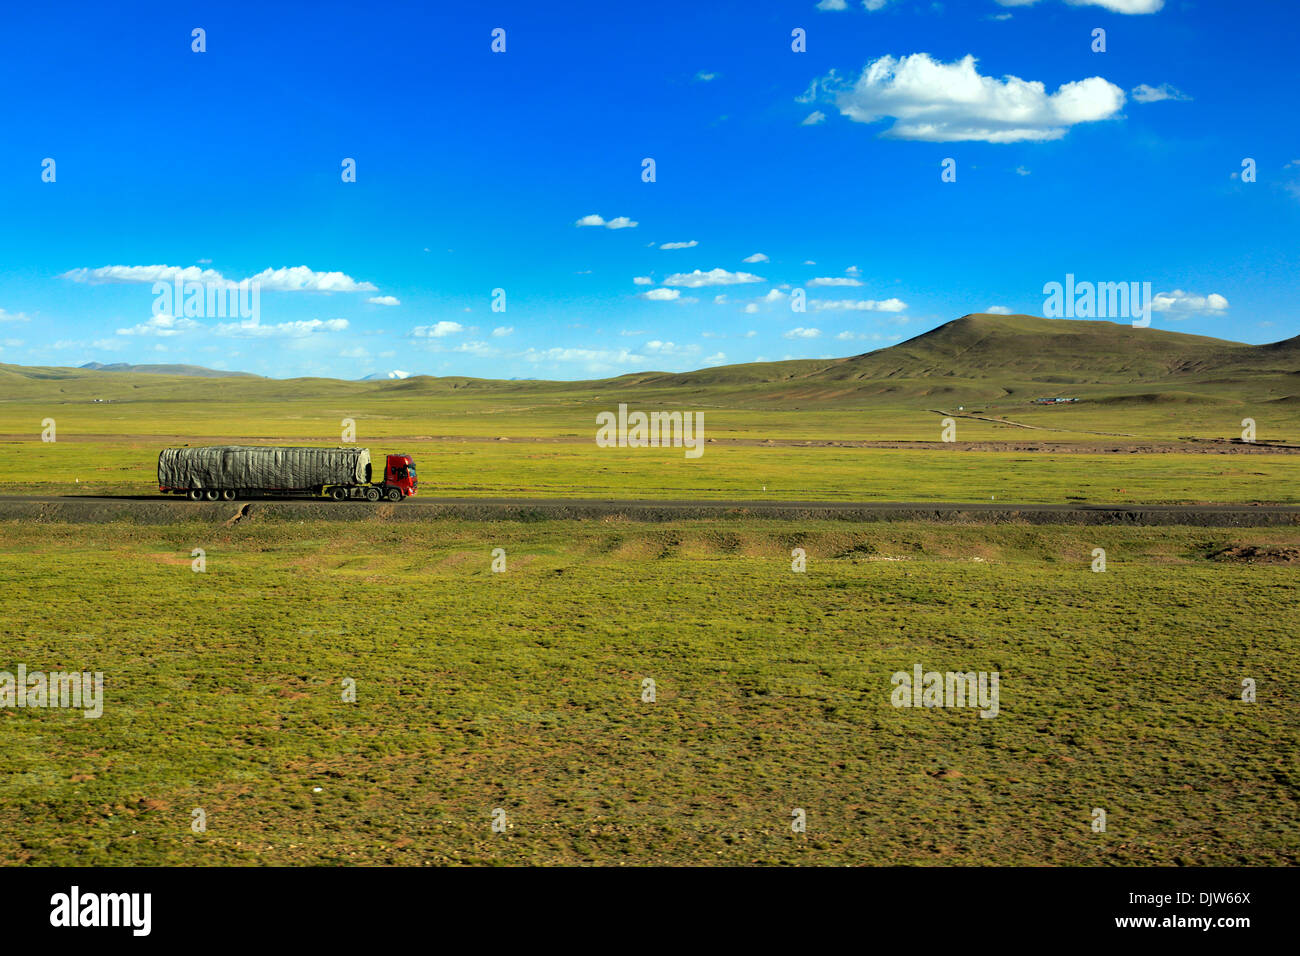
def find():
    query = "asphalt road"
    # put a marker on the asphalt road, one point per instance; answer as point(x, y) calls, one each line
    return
point(166, 509)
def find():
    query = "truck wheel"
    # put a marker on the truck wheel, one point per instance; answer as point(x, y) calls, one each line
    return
point(339, 494)
point(194, 494)
point(211, 494)
point(394, 494)
point(372, 494)
point(227, 495)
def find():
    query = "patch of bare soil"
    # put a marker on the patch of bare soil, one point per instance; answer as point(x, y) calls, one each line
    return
point(1253, 554)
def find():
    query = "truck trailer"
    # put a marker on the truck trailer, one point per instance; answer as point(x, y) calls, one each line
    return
point(227, 472)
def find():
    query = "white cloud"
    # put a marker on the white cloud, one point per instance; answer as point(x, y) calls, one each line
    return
point(775, 295)
point(657, 347)
point(693, 280)
point(802, 333)
point(832, 5)
point(501, 331)
point(680, 245)
point(293, 279)
point(997, 310)
point(149, 274)
point(1022, 171)
point(438, 330)
point(1115, 6)
point(1188, 303)
point(705, 77)
point(618, 222)
point(14, 316)
point(661, 295)
point(642, 280)
point(834, 280)
point(720, 298)
point(717, 358)
point(398, 373)
point(940, 102)
point(594, 360)
point(859, 305)
point(756, 257)
point(853, 270)
point(815, 118)
point(750, 308)
point(1154, 94)
point(303, 279)
point(476, 348)
point(384, 300)
point(162, 325)
point(283, 329)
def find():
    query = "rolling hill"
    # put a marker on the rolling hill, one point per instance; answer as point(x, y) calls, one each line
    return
point(976, 358)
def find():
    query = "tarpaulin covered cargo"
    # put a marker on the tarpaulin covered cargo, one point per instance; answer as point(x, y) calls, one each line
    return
point(261, 467)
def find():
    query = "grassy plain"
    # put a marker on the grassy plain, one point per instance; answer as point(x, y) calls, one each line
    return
point(522, 691)
point(775, 430)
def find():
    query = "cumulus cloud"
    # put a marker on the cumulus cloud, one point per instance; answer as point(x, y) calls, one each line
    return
point(832, 5)
point(303, 279)
point(802, 333)
point(162, 325)
point(292, 279)
point(859, 305)
point(938, 102)
point(657, 347)
point(438, 330)
point(618, 222)
point(1114, 6)
point(501, 331)
point(693, 280)
point(997, 310)
point(594, 360)
point(281, 329)
point(756, 257)
point(661, 295)
point(1154, 94)
point(1188, 303)
point(150, 274)
point(834, 280)
point(476, 348)
point(680, 245)
point(642, 280)
point(384, 300)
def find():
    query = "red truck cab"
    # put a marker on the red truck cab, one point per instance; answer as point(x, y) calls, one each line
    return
point(399, 472)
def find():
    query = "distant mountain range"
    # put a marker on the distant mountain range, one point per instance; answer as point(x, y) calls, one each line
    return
point(165, 370)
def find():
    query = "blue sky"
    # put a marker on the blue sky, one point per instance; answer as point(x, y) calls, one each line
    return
point(817, 171)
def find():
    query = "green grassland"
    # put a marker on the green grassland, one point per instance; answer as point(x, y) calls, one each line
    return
point(522, 691)
point(792, 473)
point(775, 430)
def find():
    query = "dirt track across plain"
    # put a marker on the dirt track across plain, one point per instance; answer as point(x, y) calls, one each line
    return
point(156, 509)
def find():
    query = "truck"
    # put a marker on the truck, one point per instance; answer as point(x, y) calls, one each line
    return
point(227, 472)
